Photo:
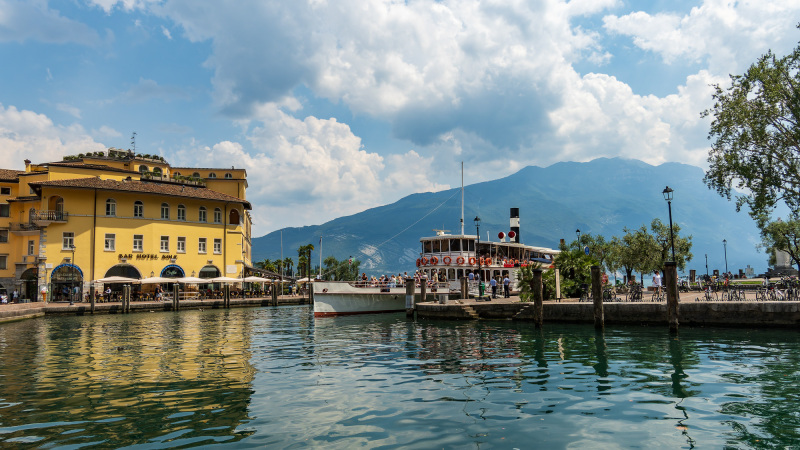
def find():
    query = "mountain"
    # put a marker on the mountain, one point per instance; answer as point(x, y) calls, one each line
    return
point(598, 197)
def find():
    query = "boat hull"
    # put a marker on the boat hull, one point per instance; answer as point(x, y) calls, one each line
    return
point(338, 299)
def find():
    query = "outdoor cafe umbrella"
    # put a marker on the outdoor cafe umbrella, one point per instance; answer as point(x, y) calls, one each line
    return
point(257, 280)
point(223, 280)
point(157, 280)
point(116, 280)
point(192, 280)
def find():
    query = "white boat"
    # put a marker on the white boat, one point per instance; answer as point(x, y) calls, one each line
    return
point(335, 298)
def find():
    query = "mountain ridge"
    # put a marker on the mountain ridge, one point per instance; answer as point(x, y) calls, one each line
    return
point(602, 196)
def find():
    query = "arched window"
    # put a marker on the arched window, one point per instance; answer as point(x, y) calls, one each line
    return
point(59, 205)
point(196, 174)
point(234, 217)
point(181, 212)
point(111, 207)
point(165, 211)
point(143, 169)
point(217, 215)
point(201, 216)
point(176, 173)
point(138, 209)
point(212, 175)
point(157, 171)
point(228, 175)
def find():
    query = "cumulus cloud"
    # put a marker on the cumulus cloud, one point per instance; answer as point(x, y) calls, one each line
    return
point(33, 20)
point(728, 34)
point(311, 170)
point(26, 134)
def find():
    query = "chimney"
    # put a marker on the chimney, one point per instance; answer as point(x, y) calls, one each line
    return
point(515, 224)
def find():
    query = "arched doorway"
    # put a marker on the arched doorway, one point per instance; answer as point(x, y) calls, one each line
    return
point(172, 271)
point(207, 272)
point(63, 281)
point(123, 270)
point(30, 284)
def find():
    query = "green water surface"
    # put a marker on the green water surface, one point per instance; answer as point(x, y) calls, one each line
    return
point(278, 378)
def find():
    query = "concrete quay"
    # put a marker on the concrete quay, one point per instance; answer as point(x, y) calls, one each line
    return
point(21, 311)
point(691, 312)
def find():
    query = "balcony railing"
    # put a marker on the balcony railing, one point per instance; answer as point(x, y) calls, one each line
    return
point(49, 216)
point(24, 226)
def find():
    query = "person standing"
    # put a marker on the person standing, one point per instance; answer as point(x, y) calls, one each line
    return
point(657, 282)
point(506, 287)
point(493, 284)
point(15, 296)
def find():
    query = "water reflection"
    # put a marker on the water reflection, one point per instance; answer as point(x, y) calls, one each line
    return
point(276, 377)
point(119, 380)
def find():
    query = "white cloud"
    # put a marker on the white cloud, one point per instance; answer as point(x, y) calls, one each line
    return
point(26, 134)
point(25, 20)
point(311, 170)
point(69, 109)
point(166, 32)
point(728, 34)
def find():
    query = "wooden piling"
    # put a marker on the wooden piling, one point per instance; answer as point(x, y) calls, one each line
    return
point(176, 292)
point(410, 297)
point(226, 297)
point(423, 285)
point(274, 292)
point(671, 283)
point(91, 299)
point(464, 288)
point(538, 298)
point(597, 298)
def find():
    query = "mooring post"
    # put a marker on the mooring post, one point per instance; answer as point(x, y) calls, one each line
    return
point(176, 290)
point(126, 295)
point(464, 288)
point(226, 296)
point(122, 299)
point(274, 292)
point(91, 299)
point(538, 298)
point(423, 284)
point(671, 282)
point(597, 298)
point(410, 297)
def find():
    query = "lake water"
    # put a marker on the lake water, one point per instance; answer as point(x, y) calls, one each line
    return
point(278, 378)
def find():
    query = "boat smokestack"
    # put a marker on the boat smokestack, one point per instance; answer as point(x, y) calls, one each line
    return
point(514, 225)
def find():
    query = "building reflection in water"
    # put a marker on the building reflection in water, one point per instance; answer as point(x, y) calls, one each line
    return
point(144, 377)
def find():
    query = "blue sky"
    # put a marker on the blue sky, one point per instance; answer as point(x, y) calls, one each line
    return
point(338, 106)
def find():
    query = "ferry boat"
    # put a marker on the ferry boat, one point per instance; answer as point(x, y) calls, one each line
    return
point(449, 258)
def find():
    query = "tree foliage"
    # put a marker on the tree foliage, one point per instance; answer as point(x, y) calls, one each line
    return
point(756, 139)
point(345, 270)
point(783, 236)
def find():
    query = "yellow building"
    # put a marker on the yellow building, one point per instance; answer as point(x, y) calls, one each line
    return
point(64, 224)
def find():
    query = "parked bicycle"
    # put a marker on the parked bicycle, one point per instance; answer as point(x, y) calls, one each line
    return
point(635, 293)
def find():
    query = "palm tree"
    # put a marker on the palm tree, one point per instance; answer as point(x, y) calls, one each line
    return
point(304, 253)
point(288, 263)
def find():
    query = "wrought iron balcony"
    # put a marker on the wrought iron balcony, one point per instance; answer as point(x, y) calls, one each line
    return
point(44, 218)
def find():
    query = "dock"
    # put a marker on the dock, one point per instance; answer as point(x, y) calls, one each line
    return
point(21, 311)
point(693, 311)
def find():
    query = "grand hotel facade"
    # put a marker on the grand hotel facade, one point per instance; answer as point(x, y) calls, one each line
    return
point(116, 213)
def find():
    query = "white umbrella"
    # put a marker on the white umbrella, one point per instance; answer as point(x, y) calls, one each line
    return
point(224, 280)
point(192, 280)
point(114, 280)
point(257, 280)
point(157, 280)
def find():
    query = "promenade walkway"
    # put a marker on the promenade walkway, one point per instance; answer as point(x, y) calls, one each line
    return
point(19, 311)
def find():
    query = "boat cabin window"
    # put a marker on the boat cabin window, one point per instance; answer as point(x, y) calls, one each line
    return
point(455, 245)
point(426, 246)
point(445, 243)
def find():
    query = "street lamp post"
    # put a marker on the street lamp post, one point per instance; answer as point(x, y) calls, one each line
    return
point(578, 234)
point(477, 255)
point(706, 265)
point(74, 276)
point(725, 248)
point(668, 197)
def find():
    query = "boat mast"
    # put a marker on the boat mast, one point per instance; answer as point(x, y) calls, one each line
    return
point(462, 198)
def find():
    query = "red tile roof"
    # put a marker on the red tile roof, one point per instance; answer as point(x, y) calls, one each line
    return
point(172, 190)
point(83, 165)
point(10, 175)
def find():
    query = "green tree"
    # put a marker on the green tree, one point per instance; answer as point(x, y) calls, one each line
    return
point(304, 259)
point(783, 236)
point(755, 151)
point(266, 264)
point(288, 263)
point(345, 270)
point(662, 249)
point(574, 267)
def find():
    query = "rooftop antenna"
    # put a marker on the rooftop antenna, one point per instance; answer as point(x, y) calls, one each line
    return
point(133, 141)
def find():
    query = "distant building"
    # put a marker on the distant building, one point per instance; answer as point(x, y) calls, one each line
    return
point(118, 213)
